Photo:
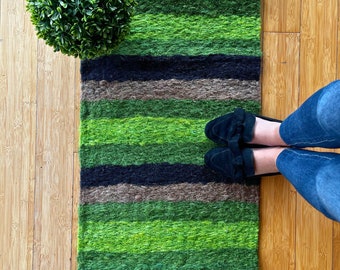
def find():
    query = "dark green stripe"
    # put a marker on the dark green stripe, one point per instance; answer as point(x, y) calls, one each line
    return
point(167, 35)
point(226, 211)
point(221, 259)
point(210, 8)
point(185, 153)
point(199, 109)
point(172, 47)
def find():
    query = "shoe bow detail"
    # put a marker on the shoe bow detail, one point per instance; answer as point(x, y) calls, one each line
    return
point(238, 166)
point(231, 128)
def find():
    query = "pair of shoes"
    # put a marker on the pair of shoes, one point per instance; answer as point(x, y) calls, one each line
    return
point(233, 130)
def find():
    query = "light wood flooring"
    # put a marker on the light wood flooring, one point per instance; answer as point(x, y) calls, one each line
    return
point(300, 44)
point(39, 175)
point(39, 116)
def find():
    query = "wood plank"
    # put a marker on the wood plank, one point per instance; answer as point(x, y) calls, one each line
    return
point(76, 180)
point(336, 225)
point(55, 160)
point(17, 133)
point(314, 246)
point(313, 242)
point(318, 45)
point(29, 126)
point(76, 199)
point(280, 89)
point(336, 245)
point(281, 16)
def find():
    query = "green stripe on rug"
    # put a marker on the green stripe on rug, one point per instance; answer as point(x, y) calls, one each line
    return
point(194, 28)
point(163, 236)
point(140, 234)
point(130, 117)
point(187, 47)
point(185, 153)
point(221, 259)
point(180, 211)
point(124, 132)
point(196, 109)
point(143, 131)
point(211, 8)
point(170, 27)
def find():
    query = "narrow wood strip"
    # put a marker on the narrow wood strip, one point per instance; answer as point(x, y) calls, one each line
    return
point(336, 245)
point(54, 160)
point(336, 225)
point(75, 214)
point(280, 89)
point(76, 166)
point(17, 136)
point(319, 30)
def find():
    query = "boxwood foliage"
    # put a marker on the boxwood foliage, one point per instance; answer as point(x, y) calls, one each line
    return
point(82, 28)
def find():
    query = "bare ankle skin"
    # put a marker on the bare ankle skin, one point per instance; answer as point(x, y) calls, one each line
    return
point(267, 133)
point(265, 159)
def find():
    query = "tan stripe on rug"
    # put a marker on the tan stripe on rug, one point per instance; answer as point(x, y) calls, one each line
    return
point(213, 89)
point(209, 192)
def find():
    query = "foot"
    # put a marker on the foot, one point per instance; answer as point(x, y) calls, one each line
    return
point(234, 165)
point(242, 127)
point(267, 133)
point(242, 164)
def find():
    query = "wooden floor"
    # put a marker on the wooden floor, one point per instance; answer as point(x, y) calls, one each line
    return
point(39, 110)
point(39, 175)
point(300, 43)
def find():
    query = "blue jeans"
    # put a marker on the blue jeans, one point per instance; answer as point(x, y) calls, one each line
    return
point(315, 175)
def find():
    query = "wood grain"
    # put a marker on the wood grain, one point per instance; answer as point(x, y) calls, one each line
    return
point(39, 93)
point(39, 116)
point(55, 154)
point(281, 16)
point(280, 91)
point(313, 240)
point(318, 67)
point(336, 245)
point(17, 134)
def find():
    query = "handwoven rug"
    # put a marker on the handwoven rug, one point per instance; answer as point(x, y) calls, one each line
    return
point(147, 200)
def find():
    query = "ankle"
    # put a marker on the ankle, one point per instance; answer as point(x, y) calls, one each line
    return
point(265, 159)
point(267, 133)
point(277, 137)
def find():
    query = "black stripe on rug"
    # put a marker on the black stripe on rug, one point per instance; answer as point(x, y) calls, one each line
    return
point(150, 174)
point(143, 68)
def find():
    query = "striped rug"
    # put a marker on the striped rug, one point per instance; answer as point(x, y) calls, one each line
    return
point(147, 200)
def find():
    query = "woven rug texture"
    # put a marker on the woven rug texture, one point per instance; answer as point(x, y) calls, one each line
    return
point(147, 200)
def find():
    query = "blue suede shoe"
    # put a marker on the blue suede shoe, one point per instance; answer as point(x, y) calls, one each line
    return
point(234, 165)
point(233, 128)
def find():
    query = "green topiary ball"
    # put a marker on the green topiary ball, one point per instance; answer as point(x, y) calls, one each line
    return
point(82, 28)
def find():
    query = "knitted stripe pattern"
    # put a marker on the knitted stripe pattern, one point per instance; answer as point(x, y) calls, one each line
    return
point(147, 200)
